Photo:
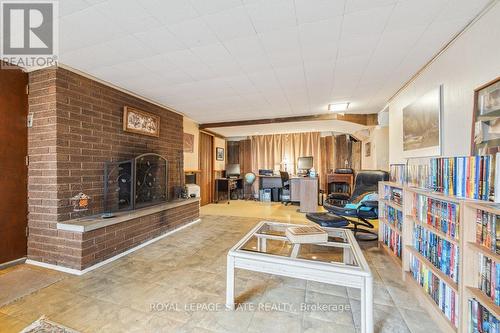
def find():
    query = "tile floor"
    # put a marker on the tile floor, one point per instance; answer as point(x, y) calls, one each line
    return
point(158, 289)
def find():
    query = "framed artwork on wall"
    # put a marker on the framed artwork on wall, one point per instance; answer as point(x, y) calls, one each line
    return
point(486, 119)
point(368, 149)
point(188, 143)
point(140, 122)
point(422, 125)
point(219, 154)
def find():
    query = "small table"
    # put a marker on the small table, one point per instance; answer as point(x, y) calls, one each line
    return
point(339, 261)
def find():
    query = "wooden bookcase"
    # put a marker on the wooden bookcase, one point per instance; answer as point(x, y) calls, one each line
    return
point(468, 264)
point(471, 252)
point(384, 203)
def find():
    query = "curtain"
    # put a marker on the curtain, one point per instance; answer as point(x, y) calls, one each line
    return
point(277, 150)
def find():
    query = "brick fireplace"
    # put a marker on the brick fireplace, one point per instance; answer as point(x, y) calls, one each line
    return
point(77, 127)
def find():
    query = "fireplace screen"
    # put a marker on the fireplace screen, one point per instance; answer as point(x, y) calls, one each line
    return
point(135, 183)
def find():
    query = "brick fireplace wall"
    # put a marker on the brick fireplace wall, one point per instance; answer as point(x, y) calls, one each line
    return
point(77, 126)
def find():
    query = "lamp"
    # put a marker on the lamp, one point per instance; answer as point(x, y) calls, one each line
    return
point(338, 107)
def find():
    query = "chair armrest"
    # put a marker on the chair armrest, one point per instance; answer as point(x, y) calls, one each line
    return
point(370, 203)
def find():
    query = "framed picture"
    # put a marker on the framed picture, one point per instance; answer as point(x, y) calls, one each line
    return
point(422, 125)
point(140, 122)
point(219, 154)
point(188, 143)
point(368, 149)
point(486, 119)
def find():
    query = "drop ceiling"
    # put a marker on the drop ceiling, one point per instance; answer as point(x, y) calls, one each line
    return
point(225, 60)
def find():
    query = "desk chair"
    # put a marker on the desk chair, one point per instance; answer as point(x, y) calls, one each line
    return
point(285, 186)
point(361, 207)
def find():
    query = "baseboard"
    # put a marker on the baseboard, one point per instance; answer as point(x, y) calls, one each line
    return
point(13, 263)
point(107, 261)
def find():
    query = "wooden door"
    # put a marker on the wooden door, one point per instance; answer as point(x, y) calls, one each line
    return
point(13, 170)
point(207, 168)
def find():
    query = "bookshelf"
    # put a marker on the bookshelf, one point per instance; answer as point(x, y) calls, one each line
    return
point(449, 238)
point(480, 226)
point(433, 221)
point(450, 222)
point(391, 219)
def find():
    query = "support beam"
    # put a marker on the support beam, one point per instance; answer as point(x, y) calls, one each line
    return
point(361, 119)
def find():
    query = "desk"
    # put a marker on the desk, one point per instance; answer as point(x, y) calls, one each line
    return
point(305, 190)
point(228, 185)
point(269, 182)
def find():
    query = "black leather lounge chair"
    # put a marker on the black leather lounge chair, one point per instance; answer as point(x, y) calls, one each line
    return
point(356, 211)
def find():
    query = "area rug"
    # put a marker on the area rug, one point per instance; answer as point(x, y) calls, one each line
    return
point(24, 280)
point(43, 325)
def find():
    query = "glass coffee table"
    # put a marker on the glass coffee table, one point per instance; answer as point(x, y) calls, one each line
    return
point(339, 261)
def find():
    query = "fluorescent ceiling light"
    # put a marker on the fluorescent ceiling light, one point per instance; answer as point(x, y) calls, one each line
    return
point(338, 107)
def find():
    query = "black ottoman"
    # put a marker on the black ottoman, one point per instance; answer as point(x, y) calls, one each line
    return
point(328, 220)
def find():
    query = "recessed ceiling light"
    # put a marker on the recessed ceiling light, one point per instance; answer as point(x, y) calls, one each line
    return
point(338, 107)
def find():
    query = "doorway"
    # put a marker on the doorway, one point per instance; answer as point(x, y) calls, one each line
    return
point(207, 168)
point(13, 169)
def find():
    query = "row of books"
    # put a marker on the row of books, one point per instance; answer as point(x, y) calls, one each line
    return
point(397, 173)
point(391, 239)
point(467, 177)
point(393, 216)
point(393, 194)
point(440, 252)
point(441, 215)
point(444, 297)
point(418, 176)
point(489, 278)
point(487, 230)
point(481, 320)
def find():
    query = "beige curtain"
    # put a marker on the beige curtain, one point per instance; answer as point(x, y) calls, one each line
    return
point(271, 151)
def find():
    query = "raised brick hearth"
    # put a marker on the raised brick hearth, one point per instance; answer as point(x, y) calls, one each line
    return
point(77, 126)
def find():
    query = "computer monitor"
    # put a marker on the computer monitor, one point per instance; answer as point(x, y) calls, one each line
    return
point(305, 163)
point(233, 170)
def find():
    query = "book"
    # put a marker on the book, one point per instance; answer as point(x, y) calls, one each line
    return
point(306, 234)
point(392, 239)
point(488, 278)
point(444, 297)
point(487, 230)
point(466, 177)
point(480, 319)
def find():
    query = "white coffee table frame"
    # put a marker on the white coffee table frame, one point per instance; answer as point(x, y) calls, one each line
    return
point(332, 273)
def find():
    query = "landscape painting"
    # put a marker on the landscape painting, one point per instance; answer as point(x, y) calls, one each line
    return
point(422, 125)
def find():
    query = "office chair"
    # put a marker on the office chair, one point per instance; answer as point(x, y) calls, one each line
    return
point(285, 186)
point(361, 207)
point(249, 180)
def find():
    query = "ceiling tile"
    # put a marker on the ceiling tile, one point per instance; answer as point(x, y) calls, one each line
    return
point(320, 40)
point(73, 36)
point(358, 5)
point(70, 6)
point(193, 33)
point(271, 15)
point(231, 23)
point(320, 10)
point(160, 40)
point(128, 15)
point(371, 21)
point(170, 12)
point(213, 6)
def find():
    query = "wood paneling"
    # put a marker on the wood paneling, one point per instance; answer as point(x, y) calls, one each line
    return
point(207, 168)
point(13, 170)
point(356, 155)
point(233, 152)
point(245, 156)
